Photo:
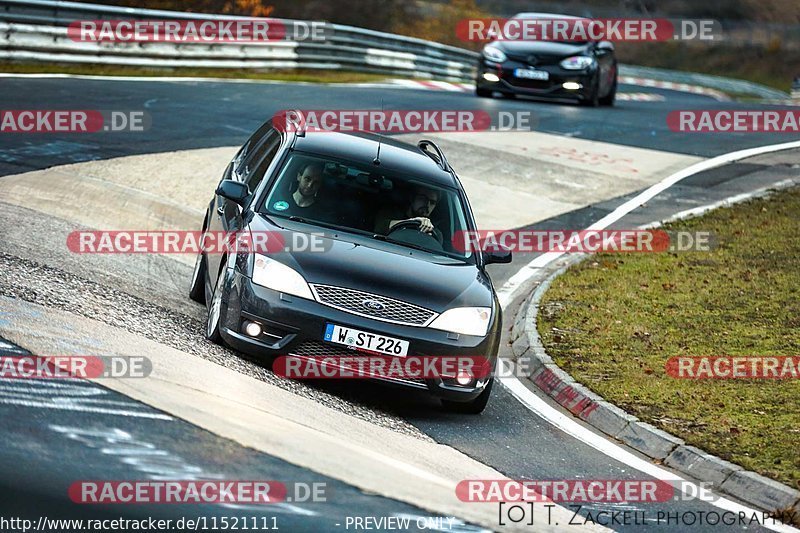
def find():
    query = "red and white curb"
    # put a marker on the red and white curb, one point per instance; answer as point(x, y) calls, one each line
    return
point(628, 80)
point(682, 87)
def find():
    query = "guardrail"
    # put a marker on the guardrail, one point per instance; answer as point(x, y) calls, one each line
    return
point(35, 30)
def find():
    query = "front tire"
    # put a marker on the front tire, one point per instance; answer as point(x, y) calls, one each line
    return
point(215, 311)
point(593, 100)
point(609, 99)
point(483, 93)
point(474, 407)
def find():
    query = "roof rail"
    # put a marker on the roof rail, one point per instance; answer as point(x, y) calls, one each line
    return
point(438, 157)
point(294, 121)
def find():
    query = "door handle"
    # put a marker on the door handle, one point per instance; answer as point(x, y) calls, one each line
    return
point(221, 210)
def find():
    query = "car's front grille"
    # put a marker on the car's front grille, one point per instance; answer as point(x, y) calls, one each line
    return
point(373, 305)
point(314, 350)
point(535, 60)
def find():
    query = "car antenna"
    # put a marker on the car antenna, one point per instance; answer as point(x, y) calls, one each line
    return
point(377, 160)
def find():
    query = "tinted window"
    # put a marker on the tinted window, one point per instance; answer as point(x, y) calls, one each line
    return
point(249, 146)
point(357, 197)
point(255, 169)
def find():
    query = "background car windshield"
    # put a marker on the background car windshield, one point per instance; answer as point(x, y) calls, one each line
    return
point(362, 199)
point(517, 18)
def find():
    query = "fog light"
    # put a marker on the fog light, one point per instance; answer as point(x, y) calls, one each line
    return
point(252, 329)
point(572, 86)
point(464, 378)
point(488, 76)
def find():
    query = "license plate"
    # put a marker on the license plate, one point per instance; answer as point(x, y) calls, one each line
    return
point(531, 74)
point(373, 342)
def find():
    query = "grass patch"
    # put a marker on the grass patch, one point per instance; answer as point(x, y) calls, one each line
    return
point(315, 76)
point(614, 320)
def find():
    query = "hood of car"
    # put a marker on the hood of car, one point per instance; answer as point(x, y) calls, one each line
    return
point(385, 269)
point(546, 48)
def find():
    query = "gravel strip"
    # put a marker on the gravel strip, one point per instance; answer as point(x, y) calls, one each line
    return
point(51, 287)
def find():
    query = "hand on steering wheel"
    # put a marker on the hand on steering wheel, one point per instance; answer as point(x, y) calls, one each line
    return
point(425, 225)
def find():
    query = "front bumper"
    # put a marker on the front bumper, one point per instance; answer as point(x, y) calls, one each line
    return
point(551, 88)
point(296, 326)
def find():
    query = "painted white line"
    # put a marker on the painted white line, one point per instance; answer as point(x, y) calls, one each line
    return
point(567, 424)
point(508, 291)
point(80, 409)
point(731, 200)
point(572, 428)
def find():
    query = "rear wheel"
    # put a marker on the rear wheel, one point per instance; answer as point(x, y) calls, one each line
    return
point(474, 407)
point(483, 93)
point(215, 310)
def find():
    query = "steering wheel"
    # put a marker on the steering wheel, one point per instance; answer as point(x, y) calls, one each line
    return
point(408, 231)
point(405, 224)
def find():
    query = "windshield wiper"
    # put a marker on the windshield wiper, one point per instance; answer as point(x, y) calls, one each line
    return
point(317, 223)
point(406, 244)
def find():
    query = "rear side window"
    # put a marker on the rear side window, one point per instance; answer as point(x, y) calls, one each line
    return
point(245, 158)
point(261, 159)
point(246, 151)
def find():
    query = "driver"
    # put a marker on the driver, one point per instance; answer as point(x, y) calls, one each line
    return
point(421, 204)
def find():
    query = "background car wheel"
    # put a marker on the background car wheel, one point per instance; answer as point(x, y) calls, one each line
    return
point(483, 93)
point(475, 407)
point(593, 99)
point(197, 290)
point(609, 99)
point(215, 311)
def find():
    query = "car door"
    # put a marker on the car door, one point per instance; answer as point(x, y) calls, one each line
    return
point(247, 167)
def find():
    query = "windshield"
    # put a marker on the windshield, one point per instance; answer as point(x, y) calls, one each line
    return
point(547, 21)
point(364, 199)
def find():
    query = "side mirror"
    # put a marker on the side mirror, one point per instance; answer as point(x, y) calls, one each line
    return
point(497, 257)
point(605, 46)
point(235, 191)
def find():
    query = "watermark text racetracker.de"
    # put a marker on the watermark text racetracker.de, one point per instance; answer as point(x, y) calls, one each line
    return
point(403, 120)
point(194, 242)
point(194, 491)
point(584, 241)
point(581, 30)
point(733, 367)
point(73, 121)
point(73, 367)
point(734, 121)
point(217, 30)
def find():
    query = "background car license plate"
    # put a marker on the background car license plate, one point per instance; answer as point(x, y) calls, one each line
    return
point(367, 341)
point(531, 74)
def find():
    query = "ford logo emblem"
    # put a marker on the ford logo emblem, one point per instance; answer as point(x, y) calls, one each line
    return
point(373, 305)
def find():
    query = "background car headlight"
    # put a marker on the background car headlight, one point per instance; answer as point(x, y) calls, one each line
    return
point(279, 277)
point(492, 53)
point(464, 320)
point(577, 63)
